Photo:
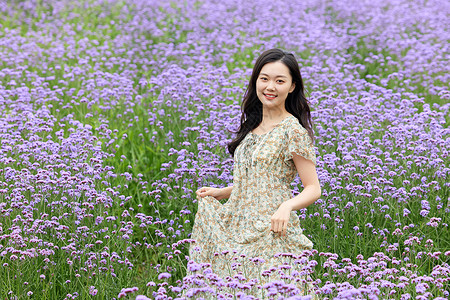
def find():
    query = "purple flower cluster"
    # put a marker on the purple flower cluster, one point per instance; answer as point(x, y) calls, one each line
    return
point(378, 276)
point(112, 113)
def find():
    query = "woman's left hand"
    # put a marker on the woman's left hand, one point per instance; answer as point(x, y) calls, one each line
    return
point(280, 219)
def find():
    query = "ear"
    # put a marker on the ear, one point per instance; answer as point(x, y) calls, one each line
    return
point(292, 87)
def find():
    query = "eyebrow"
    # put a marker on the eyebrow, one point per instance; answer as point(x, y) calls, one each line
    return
point(275, 76)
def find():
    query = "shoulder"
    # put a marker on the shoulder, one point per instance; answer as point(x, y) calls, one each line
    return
point(298, 141)
point(296, 133)
point(293, 126)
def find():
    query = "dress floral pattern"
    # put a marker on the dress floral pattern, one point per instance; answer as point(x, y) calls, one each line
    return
point(263, 173)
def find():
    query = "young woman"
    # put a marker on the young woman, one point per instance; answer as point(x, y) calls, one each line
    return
point(273, 144)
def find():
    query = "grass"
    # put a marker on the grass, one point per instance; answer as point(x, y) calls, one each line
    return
point(143, 148)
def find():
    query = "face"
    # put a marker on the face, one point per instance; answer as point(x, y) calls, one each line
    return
point(273, 85)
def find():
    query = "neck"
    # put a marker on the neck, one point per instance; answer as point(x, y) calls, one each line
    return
point(269, 116)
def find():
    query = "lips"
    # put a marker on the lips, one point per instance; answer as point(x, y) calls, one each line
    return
point(270, 96)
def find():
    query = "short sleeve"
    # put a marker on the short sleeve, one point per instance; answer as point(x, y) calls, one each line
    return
point(299, 142)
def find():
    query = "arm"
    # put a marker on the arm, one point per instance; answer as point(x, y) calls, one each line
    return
point(311, 192)
point(227, 191)
point(311, 187)
point(219, 194)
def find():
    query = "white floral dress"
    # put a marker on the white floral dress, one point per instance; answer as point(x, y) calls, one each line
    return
point(263, 173)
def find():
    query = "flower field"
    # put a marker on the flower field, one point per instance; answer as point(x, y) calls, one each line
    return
point(112, 114)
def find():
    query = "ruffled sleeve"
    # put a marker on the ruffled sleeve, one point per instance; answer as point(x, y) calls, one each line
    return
point(299, 143)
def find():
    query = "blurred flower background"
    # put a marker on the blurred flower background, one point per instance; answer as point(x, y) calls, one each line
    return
point(112, 114)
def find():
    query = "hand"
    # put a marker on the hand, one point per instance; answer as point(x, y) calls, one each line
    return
point(280, 219)
point(210, 191)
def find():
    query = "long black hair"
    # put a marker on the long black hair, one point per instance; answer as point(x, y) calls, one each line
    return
point(296, 102)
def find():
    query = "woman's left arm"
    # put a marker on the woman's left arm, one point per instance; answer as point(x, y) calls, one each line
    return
point(311, 192)
point(311, 187)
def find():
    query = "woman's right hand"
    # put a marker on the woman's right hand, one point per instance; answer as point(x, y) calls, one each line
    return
point(210, 191)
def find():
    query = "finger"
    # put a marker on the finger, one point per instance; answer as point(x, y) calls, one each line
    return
point(281, 228)
point(284, 228)
point(201, 191)
point(276, 227)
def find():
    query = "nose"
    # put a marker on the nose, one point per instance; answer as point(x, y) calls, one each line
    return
point(270, 86)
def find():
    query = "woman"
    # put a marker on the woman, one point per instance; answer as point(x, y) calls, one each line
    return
point(273, 144)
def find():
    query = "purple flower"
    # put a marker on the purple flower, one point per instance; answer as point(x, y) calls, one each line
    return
point(421, 288)
point(93, 291)
point(164, 276)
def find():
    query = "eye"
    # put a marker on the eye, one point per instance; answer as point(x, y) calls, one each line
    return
point(263, 78)
point(280, 81)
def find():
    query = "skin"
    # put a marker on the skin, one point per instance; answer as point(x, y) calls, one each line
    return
point(274, 79)
point(273, 85)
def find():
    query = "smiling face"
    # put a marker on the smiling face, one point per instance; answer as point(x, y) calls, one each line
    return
point(273, 85)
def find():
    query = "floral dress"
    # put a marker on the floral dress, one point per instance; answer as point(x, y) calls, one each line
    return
point(263, 173)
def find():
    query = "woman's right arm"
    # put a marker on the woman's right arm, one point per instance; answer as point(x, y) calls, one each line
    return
point(227, 191)
point(217, 193)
